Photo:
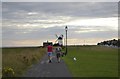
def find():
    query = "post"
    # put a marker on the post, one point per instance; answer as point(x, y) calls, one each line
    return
point(66, 39)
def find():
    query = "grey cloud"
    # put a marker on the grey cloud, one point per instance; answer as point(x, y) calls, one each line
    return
point(44, 33)
point(17, 13)
point(86, 9)
point(49, 33)
point(60, 0)
point(95, 34)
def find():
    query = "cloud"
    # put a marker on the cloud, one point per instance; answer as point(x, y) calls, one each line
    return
point(31, 21)
point(12, 43)
point(81, 9)
point(102, 23)
point(60, 1)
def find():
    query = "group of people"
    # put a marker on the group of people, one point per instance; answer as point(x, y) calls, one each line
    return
point(57, 51)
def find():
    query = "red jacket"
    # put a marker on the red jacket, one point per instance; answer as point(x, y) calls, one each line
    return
point(49, 48)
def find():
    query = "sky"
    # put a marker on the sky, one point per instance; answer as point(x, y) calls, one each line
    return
point(60, 0)
point(32, 23)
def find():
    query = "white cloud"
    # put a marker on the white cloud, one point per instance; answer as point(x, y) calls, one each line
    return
point(82, 41)
point(89, 30)
point(29, 42)
point(103, 23)
point(41, 21)
point(32, 13)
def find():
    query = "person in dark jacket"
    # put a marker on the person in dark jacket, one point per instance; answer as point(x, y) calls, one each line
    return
point(58, 53)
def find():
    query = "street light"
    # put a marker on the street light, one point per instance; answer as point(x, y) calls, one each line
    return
point(66, 28)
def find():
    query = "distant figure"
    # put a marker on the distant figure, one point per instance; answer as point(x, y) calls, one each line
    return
point(49, 51)
point(58, 53)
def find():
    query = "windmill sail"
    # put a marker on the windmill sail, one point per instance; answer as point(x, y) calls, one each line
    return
point(59, 39)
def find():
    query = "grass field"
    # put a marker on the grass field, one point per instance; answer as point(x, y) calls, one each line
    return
point(92, 61)
point(21, 58)
point(0, 63)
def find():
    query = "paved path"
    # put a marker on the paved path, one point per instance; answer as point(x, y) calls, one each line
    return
point(45, 69)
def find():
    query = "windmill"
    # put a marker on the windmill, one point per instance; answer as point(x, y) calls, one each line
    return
point(59, 40)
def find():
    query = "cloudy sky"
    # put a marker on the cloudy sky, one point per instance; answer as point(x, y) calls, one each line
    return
point(60, 0)
point(31, 23)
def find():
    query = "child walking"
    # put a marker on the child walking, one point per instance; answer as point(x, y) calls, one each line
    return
point(58, 53)
point(50, 50)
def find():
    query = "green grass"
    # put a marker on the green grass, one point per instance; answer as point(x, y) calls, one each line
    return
point(21, 58)
point(0, 62)
point(92, 61)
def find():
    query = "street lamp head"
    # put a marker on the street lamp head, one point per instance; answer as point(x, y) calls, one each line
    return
point(66, 28)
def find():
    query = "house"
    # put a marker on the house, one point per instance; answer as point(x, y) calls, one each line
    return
point(47, 43)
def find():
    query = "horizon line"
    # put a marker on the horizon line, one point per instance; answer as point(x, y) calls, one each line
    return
point(42, 45)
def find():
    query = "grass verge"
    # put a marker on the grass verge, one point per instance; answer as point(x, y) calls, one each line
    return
point(92, 61)
point(20, 58)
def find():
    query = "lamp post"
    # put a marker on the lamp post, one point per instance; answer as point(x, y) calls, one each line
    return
point(66, 28)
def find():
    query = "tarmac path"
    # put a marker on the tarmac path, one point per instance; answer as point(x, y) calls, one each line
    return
point(45, 69)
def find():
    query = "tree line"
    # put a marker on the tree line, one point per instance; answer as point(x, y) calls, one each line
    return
point(113, 42)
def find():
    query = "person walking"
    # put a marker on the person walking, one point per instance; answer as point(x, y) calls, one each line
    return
point(49, 51)
point(58, 53)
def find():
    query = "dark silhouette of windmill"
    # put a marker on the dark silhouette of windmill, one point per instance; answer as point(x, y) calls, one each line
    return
point(59, 40)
